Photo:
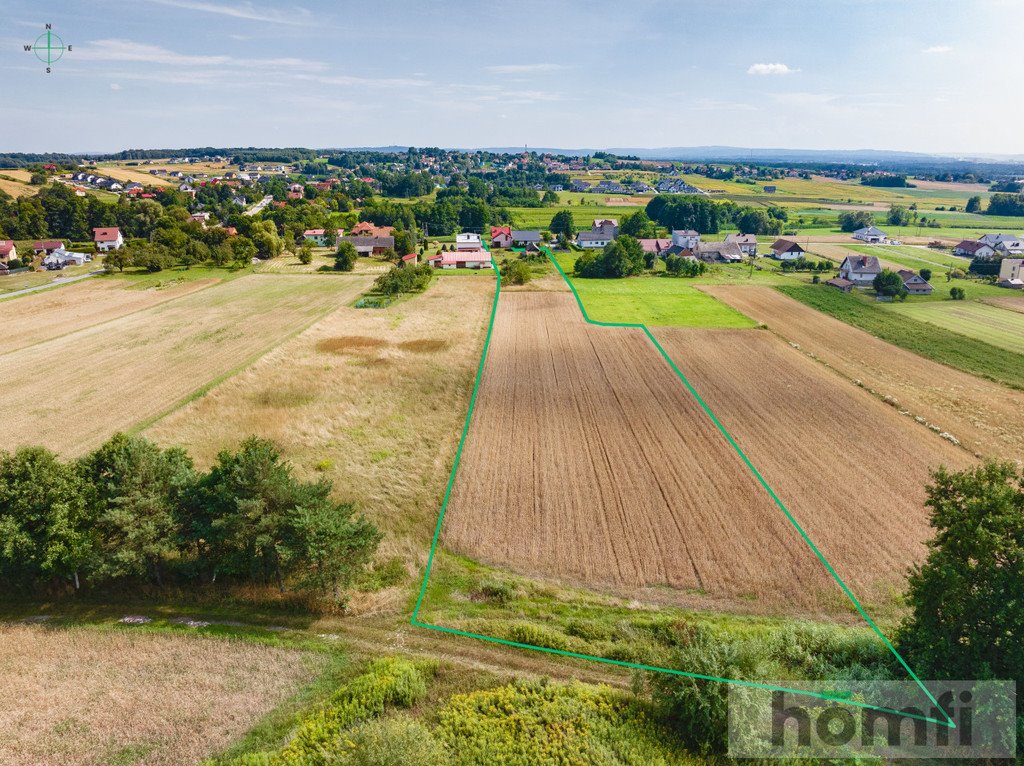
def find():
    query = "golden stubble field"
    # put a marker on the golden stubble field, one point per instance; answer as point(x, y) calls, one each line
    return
point(51, 313)
point(986, 417)
point(72, 392)
point(373, 399)
point(83, 697)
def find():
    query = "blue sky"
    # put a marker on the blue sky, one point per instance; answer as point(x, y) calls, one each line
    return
point(919, 75)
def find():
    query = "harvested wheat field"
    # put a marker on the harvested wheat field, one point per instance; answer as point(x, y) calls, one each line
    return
point(49, 314)
point(1011, 302)
point(72, 392)
point(83, 697)
point(850, 469)
point(587, 460)
point(371, 398)
point(986, 417)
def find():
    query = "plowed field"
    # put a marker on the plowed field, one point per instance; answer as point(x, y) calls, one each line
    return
point(588, 460)
point(986, 417)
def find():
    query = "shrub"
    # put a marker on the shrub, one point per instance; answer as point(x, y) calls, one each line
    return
point(407, 280)
point(515, 272)
point(346, 257)
point(588, 630)
point(394, 741)
point(536, 635)
point(497, 591)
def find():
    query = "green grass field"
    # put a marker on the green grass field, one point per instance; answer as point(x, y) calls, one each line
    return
point(901, 328)
point(990, 324)
point(652, 300)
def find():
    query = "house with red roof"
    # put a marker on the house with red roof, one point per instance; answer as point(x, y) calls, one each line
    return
point(107, 238)
point(368, 229)
point(501, 236)
point(47, 246)
point(409, 260)
point(322, 237)
point(8, 250)
point(462, 259)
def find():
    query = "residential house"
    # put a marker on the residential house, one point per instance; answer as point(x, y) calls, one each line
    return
point(60, 258)
point(462, 259)
point(200, 218)
point(655, 246)
point(45, 247)
point(915, 283)
point(107, 238)
point(746, 242)
point(368, 229)
point(8, 250)
point(524, 238)
point(860, 269)
point(468, 241)
point(845, 285)
point(995, 239)
point(1011, 273)
point(367, 246)
point(501, 236)
point(579, 186)
point(608, 226)
point(322, 237)
point(870, 234)
point(971, 248)
point(1010, 247)
point(786, 250)
point(592, 240)
point(687, 239)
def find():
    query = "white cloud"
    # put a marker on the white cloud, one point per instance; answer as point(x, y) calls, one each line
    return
point(127, 50)
point(115, 86)
point(523, 68)
point(938, 49)
point(766, 69)
point(291, 16)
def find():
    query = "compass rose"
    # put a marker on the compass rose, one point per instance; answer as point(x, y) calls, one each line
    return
point(48, 48)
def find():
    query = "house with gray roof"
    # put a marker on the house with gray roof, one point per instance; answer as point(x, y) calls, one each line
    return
point(870, 234)
point(523, 238)
point(860, 269)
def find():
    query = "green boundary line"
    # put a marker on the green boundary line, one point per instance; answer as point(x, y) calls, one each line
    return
point(775, 498)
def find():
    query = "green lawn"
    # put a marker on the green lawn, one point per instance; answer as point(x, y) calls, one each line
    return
point(914, 257)
point(902, 329)
point(652, 300)
point(991, 324)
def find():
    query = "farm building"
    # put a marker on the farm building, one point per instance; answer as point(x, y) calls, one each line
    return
point(462, 259)
point(108, 238)
point(409, 260)
point(501, 236)
point(468, 241)
point(367, 246)
point(786, 250)
point(860, 269)
point(845, 285)
point(870, 234)
point(719, 252)
point(58, 259)
point(8, 250)
point(1011, 273)
point(45, 247)
point(523, 238)
point(915, 283)
point(970, 248)
point(367, 229)
point(746, 242)
point(655, 246)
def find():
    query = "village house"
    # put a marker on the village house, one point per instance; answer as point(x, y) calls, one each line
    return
point(970, 248)
point(1010, 247)
point(860, 269)
point(60, 258)
point(368, 229)
point(1011, 273)
point(687, 239)
point(45, 247)
point(367, 246)
point(994, 239)
point(786, 250)
point(607, 226)
point(747, 243)
point(322, 237)
point(462, 259)
point(915, 283)
point(655, 246)
point(719, 252)
point(410, 259)
point(108, 238)
point(468, 241)
point(8, 250)
point(200, 218)
point(592, 240)
point(501, 236)
point(870, 234)
point(524, 238)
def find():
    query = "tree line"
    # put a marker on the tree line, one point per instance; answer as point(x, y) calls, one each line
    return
point(133, 512)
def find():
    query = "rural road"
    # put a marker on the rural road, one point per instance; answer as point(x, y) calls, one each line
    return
point(55, 283)
point(259, 206)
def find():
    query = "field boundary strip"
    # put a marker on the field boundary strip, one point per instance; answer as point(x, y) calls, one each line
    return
point(839, 695)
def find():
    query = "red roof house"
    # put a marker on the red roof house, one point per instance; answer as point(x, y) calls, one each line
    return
point(107, 238)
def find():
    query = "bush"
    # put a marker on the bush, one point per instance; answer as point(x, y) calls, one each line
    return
point(394, 741)
point(497, 591)
point(588, 630)
point(536, 635)
point(346, 257)
point(15, 263)
point(408, 280)
point(515, 272)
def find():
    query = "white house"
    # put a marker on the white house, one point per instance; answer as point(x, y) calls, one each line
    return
point(108, 238)
point(995, 239)
point(687, 239)
point(8, 250)
point(1010, 247)
point(322, 237)
point(746, 242)
point(501, 236)
point(468, 241)
point(860, 269)
point(870, 234)
point(970, 248)
point(1011, 273)
point(592, 240)
point(786, 250)
point(607, 226)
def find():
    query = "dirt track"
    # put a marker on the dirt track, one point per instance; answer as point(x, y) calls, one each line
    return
point(986, 417)
point(588, 460)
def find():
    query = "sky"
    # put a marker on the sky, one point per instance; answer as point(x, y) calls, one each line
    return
point(915, 75)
